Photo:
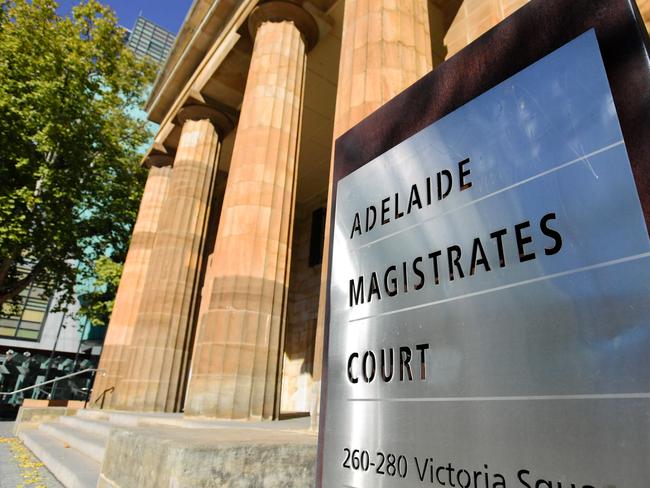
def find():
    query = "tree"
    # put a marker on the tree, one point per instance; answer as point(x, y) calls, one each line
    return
point(97, 304)
point(70, 182)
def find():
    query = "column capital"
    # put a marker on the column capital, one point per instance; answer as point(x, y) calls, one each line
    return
point(159, 160)
point(285, 10)
point(221, 121)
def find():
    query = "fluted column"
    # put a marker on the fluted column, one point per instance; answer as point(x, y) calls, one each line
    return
point(238, 345)
point(113, 359)
point(385, 47)
point(159, 351)
point(644, 7)
point(474, 18)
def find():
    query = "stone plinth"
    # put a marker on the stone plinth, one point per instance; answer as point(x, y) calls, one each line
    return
point(208, 457)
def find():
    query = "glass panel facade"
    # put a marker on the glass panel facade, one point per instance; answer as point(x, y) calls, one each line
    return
point(149, 39)
point(25, 320)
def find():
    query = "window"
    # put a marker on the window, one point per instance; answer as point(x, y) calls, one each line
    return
point(317, 237)
point(25, 321)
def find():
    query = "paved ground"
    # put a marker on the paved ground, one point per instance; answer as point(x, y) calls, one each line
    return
point(18, 467)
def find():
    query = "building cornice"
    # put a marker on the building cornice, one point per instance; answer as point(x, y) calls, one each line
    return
point(201, 33)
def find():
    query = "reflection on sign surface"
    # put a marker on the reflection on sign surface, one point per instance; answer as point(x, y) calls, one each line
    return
point(489, 320)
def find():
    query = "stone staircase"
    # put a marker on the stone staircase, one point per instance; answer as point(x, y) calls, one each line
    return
point(74, 446)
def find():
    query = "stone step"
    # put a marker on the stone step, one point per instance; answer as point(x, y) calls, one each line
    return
point(93, 414)
point(130, 419)
point(92, 445)
point(124, 419)
point(99, 428)
point(72, 468)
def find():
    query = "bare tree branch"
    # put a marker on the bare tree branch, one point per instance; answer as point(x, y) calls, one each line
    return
point(11, 290)
point(5, 266)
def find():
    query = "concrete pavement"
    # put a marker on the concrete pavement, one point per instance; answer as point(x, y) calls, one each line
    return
point(18, 466)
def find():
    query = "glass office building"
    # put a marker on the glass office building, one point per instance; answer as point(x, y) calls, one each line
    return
point(149, 39)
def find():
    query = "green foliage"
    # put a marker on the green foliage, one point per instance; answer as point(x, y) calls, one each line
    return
point(97, 305)
point(70, 182)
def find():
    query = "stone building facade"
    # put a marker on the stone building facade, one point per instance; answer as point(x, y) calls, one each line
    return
point(220, 309)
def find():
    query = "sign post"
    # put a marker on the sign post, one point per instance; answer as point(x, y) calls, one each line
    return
point(489, 302)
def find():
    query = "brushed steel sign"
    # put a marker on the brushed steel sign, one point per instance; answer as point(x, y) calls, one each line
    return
point(489, 297)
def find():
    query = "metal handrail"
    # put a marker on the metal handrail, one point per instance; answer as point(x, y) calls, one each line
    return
point(101, 397)
point(4, 393)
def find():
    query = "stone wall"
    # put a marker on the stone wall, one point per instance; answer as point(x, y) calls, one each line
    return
point(302, 312)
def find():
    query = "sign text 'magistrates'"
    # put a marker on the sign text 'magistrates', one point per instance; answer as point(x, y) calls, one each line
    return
point(453, 262)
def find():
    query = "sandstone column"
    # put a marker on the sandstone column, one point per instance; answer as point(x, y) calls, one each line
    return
point(113, 359)
point(385, 47)
point(474, 18)
point(238, 346)
point(159, 351)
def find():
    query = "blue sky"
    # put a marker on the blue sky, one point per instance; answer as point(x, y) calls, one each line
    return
point(167, 13)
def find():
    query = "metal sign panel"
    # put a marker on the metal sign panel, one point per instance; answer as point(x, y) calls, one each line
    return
point(489, 321)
